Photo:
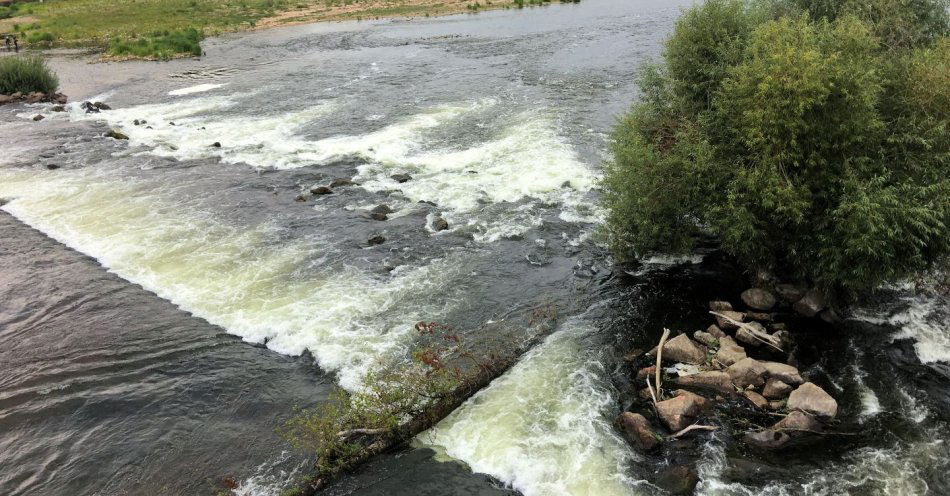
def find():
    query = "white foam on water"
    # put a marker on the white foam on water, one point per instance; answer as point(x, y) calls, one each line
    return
point(870, 404)
point(242, 279)
point(925, 319)
point(542, 427)
point(195, 89)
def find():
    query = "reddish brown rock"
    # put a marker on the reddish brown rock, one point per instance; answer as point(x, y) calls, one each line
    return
point(783, 372)
point(798, 422)
point(758, 299)
point(712, 380)
point(679, 412)
point(747, 372)
point(729, 351)
point(639, 431)
point(812, 399)
point(775, 389)
point(684, 350)
point(756, 399)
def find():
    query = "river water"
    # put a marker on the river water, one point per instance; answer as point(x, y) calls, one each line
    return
point(166, 303)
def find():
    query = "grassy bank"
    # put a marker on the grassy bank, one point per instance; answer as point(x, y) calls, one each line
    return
point(99, 23)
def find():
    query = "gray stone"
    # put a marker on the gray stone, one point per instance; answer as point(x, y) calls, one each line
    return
point(756, 399)
point(798, 423)
point(715, 331)
point(706, 338)
point(342, 181)
point(116, 135)
point(810, 304)
point(321, 190)
point(38, 117)
point(401, 178)
point(719, 306)
point(783, 372)
point(812, 399)
point(639, 431)
point(747, 372)
point(440, 224)
point(382, 209)
point(767, 439)
point(758, 299)
point(376, 240)
point(677, 480)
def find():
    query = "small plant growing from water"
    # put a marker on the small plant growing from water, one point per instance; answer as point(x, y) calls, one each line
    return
point(160, 45)
point(26, 74)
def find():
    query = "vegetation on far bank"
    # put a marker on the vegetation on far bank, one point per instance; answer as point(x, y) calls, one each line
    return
point(26, 74)
point(106, 24)
point(809, 136)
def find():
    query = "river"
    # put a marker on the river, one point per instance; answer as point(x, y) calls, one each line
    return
point(166, 302)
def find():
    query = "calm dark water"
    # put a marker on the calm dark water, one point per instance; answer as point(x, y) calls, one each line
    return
point(165, 302)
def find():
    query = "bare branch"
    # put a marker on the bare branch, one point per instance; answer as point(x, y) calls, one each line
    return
point(659, 359)
point(694, 427)
point(757, 334)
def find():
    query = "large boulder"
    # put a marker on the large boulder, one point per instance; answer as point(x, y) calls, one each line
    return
point(747, 372)
point(684, 350)
point(440, 224)
point(767, 439)
point(783, 372)
point(729, 351)
point(790, 292)
point(713, 380)
point(775, 389)
point(639, 431)
point(812, 399)
point(758, 299)
point(810, 304)
point(679, 412)
point(756, 399)
point(320, 190)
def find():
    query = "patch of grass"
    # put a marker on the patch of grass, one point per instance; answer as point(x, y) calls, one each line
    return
point(26, 74)
point(160, 45)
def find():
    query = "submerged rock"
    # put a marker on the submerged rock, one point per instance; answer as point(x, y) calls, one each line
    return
point(679, 412)
point(440, 224)
point(38, 117)
point(376, 240)
point(767, 439)
point(302, 197)
point(799, 423)
point(715, 331)
point(116, 135)
point(101, 106)
point(758, 299)
point(89, 108)
point(342, 181)
point(401, 178)
point(790, 292)
point(706, 338)
point(812, 399)
point(381, 209)
point(378, 216)
point(678, 480)
point(216, 144)
point(321, 190)
point(639, 432)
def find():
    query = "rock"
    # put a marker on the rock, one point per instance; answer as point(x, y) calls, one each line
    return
point(789, 292)
point(639, 431)
point(775, 389)
point(35, 97)
point(376, 240)
point(725, 324)
point(89, 108)
point(776, 404)
point(679, 412)
point(38, 117)
point(810, 304)
point(321, 190)
point(684, 350)
point(302, 197)
point(760, 316)
point(830, 316)
point(706, 338)
point(645, 372)
point(644, 394)
point(342, 181)
point(715, 331)
point(747, 336)
point(756, 399)
point(101, 106)
point(52, 166)
point(767, 439)
point(720, 306)
point(799, 422)
point(729, 352)
point(633, 355)
point(4, 99)
point(783, 372)
point(712, 380)
point(381, 209)
point(784, 337)
point(59, 98)
point(401, 178)
point(378, 216)
point(678, 480)
point(812, 399)
point(439, 224)
point(116, 135)
point(17, 95)
point(58, 108)
point(747, 372)
point(758, 299)
point(216, 144)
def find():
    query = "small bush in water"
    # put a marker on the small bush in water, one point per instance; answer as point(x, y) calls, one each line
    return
point(810, 137)
point(26, 74)
point(162, 45)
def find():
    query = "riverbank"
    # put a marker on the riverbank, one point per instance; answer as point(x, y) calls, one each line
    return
point(99, 24)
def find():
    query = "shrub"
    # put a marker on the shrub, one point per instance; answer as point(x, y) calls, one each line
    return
point(45, 38)
point(810, 138)
point(26, 74)
point(162, 45)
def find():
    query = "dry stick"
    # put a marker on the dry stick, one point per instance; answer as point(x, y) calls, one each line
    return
point(650, 387)
point(659, 359)
point(755, 332)
point(694, 427)
point(355, 432)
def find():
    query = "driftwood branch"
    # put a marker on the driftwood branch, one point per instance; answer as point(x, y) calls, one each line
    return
point(659, 360)
point(694, 427)
point(757, 334)
point(650, 387)
point(356, 432)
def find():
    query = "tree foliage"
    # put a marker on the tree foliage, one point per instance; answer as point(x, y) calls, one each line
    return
point(809, 136)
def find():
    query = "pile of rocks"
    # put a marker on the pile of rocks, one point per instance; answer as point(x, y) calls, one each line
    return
point(734, 358)
point(34, 97)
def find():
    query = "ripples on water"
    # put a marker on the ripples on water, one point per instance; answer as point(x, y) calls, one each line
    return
point(500, 119)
